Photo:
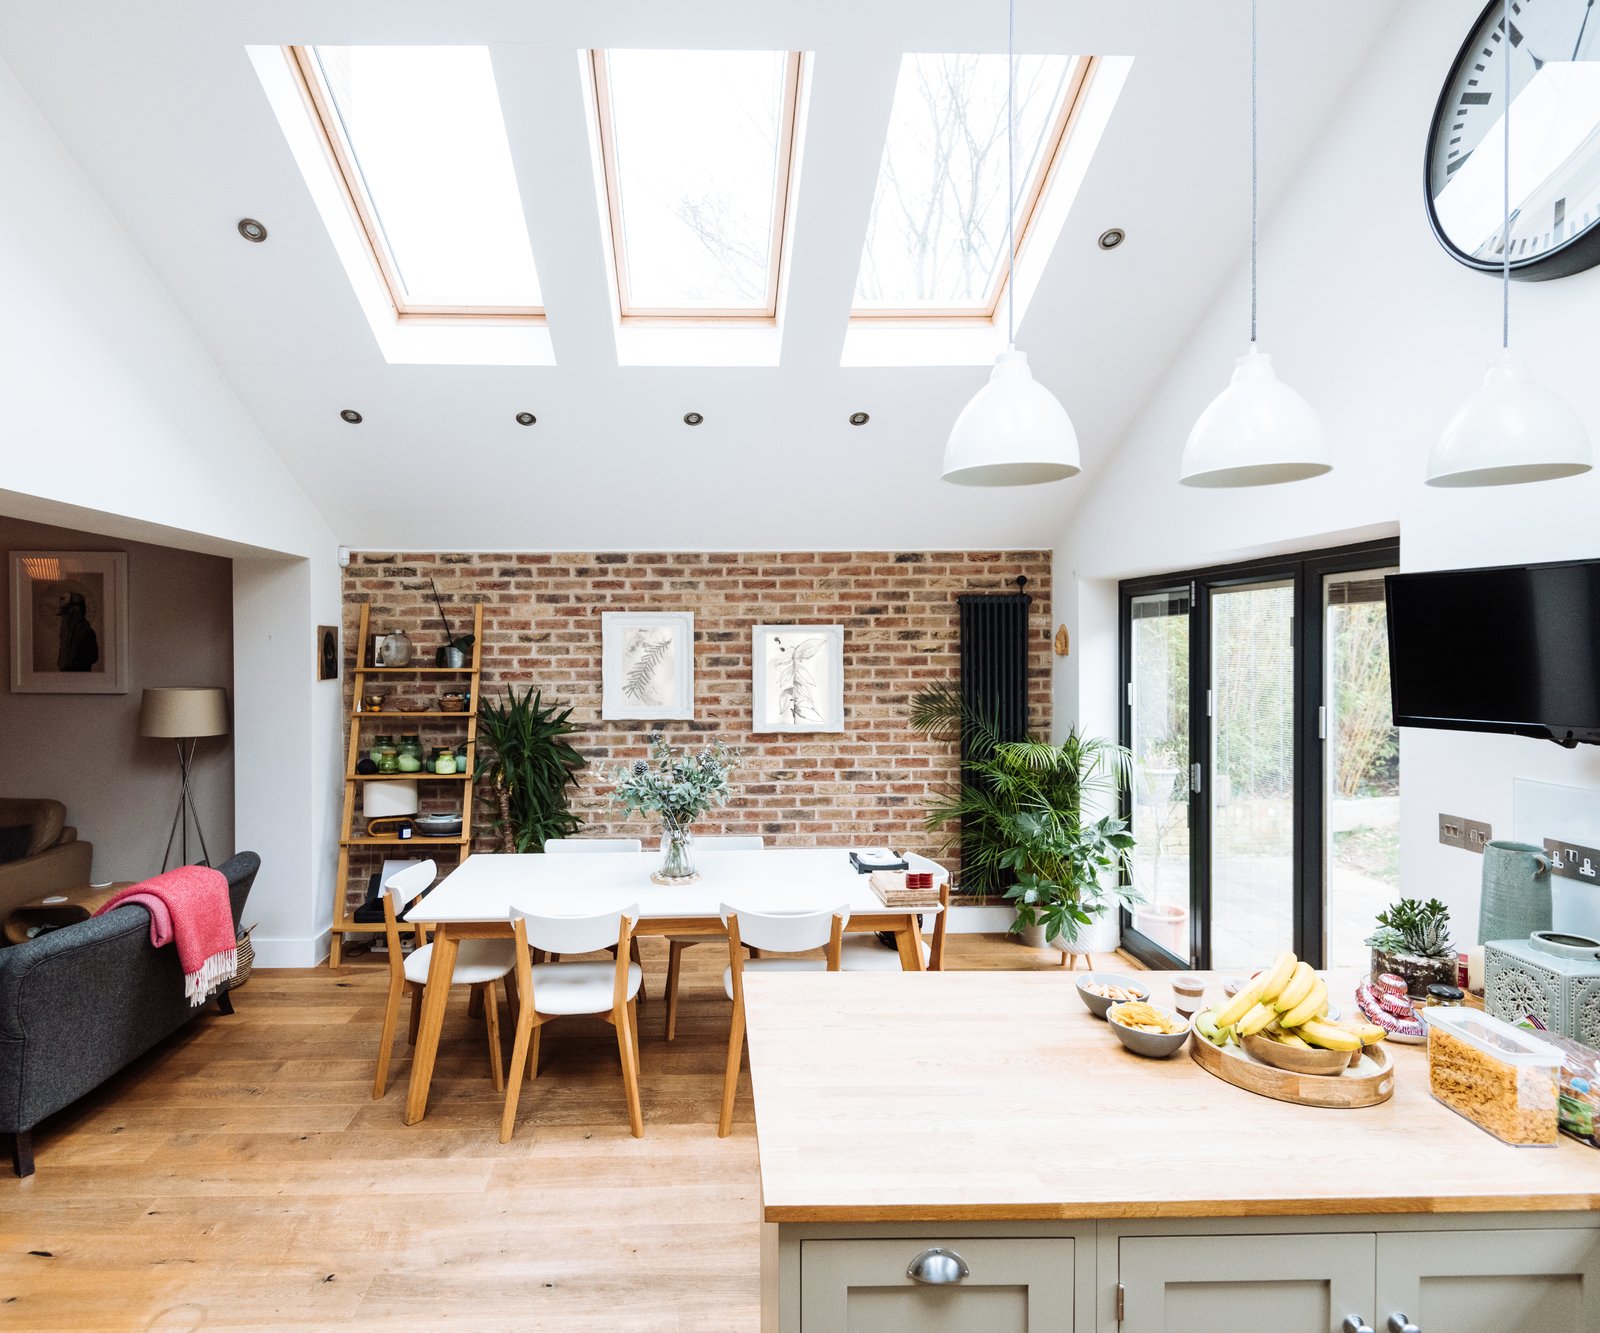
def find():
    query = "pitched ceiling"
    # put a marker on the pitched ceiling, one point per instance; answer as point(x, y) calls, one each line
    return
point(162, 109)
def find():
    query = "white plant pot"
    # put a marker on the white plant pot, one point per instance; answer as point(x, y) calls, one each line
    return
point(1102, 935)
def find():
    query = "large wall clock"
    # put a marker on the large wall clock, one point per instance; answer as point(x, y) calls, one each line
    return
point(1554, 50)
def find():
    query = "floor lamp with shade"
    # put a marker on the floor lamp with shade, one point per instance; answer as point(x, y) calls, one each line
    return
point(185, 714)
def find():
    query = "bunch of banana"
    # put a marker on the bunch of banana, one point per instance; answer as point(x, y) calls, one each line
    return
point(1287, 1002)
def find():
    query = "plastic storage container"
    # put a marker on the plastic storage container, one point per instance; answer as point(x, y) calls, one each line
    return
point(1503, 1080)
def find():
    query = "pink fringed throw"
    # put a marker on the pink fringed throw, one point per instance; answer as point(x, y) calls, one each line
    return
point(189, 905)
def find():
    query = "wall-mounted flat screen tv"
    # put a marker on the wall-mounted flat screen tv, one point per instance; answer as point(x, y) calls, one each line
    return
point(1514, 649)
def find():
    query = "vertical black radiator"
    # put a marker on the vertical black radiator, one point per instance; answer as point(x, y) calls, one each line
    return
point(994, 672)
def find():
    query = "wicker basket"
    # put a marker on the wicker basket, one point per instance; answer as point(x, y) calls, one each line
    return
point(247, 959)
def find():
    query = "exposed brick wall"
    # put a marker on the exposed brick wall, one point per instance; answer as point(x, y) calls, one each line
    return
point(869, 784)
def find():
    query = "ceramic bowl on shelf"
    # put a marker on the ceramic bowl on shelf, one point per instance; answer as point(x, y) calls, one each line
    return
point(1156, 1045)
point(1098, 1004)
point(438, 826)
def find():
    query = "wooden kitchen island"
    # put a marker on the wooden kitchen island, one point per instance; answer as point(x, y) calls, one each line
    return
point(990, 1115)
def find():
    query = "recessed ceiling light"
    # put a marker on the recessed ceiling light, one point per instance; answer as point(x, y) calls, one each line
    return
point(859, 418)
point(252, 230)
point(692, 418)
point(351, 415)
point(1111, 238)
point(526, 418)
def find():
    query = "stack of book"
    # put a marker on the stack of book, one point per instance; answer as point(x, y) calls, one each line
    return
point(897, 889)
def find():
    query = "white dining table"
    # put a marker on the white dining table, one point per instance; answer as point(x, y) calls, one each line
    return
point(475, 899)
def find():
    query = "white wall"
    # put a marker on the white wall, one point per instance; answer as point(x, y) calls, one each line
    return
point(1386, 335)
point(114, 420)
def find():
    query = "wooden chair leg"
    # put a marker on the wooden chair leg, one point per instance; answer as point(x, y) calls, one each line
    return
point(630, 1077)
point(475, 1002)
point(22, 1152)
point(533, 1053)
point(674, 968)
point(633, 1033)
point(489, 998)
point(391, 1018)
point(526, 1035)
point(730, 1079)
point(633, 957)
point(416, 1015)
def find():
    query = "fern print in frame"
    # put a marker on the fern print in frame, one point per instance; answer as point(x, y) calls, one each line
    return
point(647, 665)
point(797, 678)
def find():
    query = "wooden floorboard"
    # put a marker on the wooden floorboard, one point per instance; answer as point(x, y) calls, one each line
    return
point(241, 1176)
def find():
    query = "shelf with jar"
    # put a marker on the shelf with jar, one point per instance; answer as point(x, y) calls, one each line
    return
point(394, 767)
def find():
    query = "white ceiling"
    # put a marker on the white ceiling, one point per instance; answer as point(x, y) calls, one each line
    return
point(161, 107)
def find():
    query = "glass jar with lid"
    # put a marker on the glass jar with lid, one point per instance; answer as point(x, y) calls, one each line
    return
point(411, 744)
point(387, 759)
point(380, 743)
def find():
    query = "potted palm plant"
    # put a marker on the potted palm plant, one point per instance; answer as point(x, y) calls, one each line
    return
point(1024, 819)
point(531, 768)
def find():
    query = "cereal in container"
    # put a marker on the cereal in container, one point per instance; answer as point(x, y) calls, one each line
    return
point(1503, 1080)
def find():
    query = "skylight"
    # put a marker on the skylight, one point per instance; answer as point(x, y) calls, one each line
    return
point(418, 139)
point(697, 149)
point(936, 236)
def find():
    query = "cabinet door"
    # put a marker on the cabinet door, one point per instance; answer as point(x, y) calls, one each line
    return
point(860, 1286)
point(1490, 1281)
point(1222, 1284)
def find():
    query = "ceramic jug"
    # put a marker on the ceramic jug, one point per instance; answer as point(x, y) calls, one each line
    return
point(1516, 892)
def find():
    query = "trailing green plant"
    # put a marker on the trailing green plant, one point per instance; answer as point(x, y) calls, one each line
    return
point(1023, 816)
point(1414, 927)
point(531, 767)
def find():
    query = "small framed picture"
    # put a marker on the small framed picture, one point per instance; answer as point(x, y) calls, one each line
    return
point(69, 622)
point(647, 664)
point(327, 652)
point(797, 677)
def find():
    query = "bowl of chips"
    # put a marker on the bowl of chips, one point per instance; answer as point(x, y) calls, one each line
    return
point(1101, 990)
point(1146, 1029)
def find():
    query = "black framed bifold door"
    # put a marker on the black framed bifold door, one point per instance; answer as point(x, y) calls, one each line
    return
point(1264, 796)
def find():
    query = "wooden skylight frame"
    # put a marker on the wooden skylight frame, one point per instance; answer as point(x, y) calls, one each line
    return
point(1056, 140)
point(325, 118)
point(789, 111)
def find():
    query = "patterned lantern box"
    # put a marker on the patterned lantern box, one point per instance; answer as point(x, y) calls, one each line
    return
point(1519, 979)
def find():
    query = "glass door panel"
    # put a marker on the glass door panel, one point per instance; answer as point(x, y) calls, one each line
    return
point(1159, 654)
point(1361, 765)
point(1251, 782)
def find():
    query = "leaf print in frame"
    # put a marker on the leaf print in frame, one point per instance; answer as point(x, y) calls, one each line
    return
point(798, 678)
point(647, 665)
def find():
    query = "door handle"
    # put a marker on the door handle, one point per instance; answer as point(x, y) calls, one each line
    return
point(1354, 1323)
point(1398, 1323)
point(938, 1268)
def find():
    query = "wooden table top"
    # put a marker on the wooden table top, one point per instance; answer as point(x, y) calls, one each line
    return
point(998, 1096)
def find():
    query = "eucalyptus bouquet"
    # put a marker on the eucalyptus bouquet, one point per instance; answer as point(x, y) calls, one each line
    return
point(679, 786)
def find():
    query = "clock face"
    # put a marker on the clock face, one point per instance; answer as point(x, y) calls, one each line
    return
point(1553, 49)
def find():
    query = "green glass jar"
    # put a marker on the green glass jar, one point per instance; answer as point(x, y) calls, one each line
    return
point(387, 760)
point(379, 745)
point(442, 761)
point(411, 744)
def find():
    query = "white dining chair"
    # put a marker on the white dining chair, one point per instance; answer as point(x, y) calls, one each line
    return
point(555, 990)
point(594, 847)
point(479, 965)
point(676, 944)
point(866, 953)
point(774, 933)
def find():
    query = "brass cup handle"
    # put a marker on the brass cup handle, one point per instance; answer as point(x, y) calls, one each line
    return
point(938, 1268)
point(1398, 1323)
point(1354, 1323)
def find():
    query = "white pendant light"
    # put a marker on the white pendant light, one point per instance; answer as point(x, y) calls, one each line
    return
point(1513, 429)
point(1013, 432)
point(1258, 431)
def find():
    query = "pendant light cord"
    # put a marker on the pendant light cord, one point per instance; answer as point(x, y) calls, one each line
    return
point(1011, 184)
point(1255, 184)
point(1505, 200)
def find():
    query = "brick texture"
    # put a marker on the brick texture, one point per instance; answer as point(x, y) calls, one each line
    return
point(869, 784)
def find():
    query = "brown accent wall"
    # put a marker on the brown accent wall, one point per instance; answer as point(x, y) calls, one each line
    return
point(870, 784)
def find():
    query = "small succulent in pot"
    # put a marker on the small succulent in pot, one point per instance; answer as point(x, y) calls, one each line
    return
point(1413, 941)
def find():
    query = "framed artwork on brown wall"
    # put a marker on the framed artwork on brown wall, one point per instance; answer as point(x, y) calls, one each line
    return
point(327, 652)
point(797, 677)
point(69, 622)
point(647, 664)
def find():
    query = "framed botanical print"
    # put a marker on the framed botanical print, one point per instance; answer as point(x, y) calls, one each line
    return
point(798, 677)
point(647, 664)
point(69, 622)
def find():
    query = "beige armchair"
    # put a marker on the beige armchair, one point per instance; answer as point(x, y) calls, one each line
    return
point(54, 861)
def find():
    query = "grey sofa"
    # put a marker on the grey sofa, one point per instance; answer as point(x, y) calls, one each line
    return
point(79, 1003)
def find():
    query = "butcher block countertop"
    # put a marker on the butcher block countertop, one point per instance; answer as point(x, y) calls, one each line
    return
point(997, 1096)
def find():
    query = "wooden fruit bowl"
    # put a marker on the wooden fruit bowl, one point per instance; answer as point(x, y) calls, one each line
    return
point(1366, 1084)
point(1329, 1064)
